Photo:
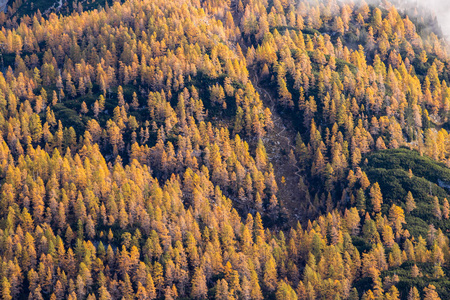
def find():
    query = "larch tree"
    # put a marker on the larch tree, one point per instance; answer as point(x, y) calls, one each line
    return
point(410, 203)
point(199, 289)
point(445, 209)
point(430, 293)
point(437, 208)
point(376, 197)
point(413, 294)
point(270, 275)
point(285, 292)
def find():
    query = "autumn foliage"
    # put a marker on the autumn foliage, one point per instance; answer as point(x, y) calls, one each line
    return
point(137, 152)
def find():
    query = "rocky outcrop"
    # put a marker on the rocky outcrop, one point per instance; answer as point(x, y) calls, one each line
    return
point(3, 5)
point(444, 184)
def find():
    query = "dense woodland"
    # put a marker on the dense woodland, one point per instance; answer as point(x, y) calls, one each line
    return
point(233, 149)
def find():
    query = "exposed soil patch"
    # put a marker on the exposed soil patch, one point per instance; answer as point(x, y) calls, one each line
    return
point(278, 145)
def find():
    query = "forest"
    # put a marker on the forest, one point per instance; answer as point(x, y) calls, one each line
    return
point(233, 149)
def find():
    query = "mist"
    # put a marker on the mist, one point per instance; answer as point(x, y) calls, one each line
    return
point(441, 8)
point(435, 8)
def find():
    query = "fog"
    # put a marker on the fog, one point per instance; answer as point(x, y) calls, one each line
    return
point(438, 8)
point(430, 9)
point(441, 8)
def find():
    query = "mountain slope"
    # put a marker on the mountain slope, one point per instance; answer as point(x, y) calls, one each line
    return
point(244, 149)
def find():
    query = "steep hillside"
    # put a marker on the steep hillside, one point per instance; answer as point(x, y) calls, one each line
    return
point(249, 149)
